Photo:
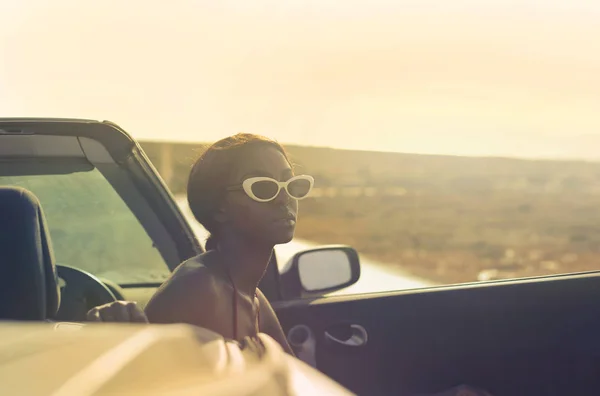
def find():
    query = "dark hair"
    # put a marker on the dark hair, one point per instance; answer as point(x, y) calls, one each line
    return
point(210, 177)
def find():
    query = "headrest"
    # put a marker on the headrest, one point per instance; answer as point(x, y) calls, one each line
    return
point(28, 280)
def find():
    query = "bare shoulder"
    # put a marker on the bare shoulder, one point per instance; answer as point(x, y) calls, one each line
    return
point(196, 270)
point(191, 289)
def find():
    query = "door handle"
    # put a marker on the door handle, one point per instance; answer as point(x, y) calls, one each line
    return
point(358, 337)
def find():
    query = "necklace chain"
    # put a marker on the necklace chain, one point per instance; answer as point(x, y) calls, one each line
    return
point(235, 305)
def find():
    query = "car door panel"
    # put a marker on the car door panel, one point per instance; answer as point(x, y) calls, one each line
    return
point(512, 337)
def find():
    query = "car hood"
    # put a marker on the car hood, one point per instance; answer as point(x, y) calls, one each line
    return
point(125, 359)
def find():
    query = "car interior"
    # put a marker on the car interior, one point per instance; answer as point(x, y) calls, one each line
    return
point(34, 286)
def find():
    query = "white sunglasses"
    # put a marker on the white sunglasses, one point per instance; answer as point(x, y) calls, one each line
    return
point(265, 189)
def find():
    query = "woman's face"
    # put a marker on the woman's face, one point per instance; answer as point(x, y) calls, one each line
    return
point(273, 222)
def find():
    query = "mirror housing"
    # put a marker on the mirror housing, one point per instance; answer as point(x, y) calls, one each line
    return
point(320, 270)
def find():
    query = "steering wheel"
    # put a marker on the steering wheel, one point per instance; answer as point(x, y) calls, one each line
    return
point(80, 292)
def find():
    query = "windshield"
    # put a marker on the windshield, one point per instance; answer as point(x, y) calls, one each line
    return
point(92, 228)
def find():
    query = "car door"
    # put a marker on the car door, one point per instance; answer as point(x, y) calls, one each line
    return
point(537, 336)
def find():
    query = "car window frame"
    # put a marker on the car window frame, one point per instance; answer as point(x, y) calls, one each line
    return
point(140, 187)
point(120, 159)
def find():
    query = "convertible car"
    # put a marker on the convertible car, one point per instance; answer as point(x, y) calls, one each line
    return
point(117, 232)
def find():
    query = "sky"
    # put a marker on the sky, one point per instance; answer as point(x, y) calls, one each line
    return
point(510, 78)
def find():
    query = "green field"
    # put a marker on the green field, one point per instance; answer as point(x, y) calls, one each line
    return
point(448, 219)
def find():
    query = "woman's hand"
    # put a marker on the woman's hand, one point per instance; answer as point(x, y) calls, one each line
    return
point(117, 311)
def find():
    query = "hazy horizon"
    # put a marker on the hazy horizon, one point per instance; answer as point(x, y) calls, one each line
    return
point(563, 158)
point(486, 78)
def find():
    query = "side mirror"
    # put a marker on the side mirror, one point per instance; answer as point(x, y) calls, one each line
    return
point(321, 270)
point(328, 268)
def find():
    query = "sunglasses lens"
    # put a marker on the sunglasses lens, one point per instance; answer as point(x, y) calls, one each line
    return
point(299, 188)
point(264, 189)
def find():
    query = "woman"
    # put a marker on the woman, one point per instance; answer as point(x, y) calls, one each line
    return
point(244, 192)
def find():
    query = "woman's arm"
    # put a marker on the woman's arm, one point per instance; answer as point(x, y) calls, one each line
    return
point(269, 324)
